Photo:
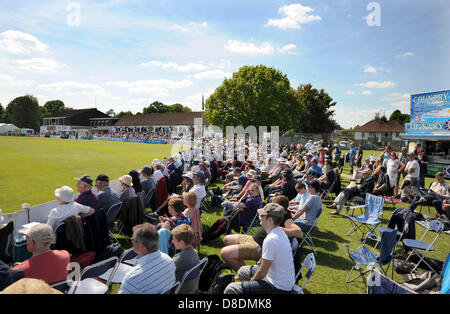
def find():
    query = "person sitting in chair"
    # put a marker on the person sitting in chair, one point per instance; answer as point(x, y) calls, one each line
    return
point(382, 187)
point(106, 196)
point(328, 176)
point(354, 193)
point(127, 188)
point(45, 263)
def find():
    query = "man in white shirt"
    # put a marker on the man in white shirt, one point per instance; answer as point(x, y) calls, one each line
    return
point(412, 169)
point(276, 273)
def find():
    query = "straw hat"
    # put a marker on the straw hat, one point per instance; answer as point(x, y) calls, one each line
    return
point(127, 180)
point(30, 286)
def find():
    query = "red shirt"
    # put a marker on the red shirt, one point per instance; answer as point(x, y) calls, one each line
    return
point(50, 266)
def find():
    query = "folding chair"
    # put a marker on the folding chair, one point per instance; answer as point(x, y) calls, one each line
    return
point(6, 235)
point(254, 223)
point(425, 191)
point(326, 193)
point(203, 212)
point(172, 289)
point(122, 267)
point(66, 286)
point(310, 264)
point(307, 238)
point(111, 216)
point(416, 245)
point(369, 220)
point(89, 284)
point(366, 257)
point(377, 283)
point(192, 273)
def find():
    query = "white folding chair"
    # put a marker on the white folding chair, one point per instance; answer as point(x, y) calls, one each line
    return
point(310, 264)
point(123, 266)
point(89, 284)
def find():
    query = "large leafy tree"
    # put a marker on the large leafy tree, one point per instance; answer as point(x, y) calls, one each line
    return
point(123, 113)
point(156, 107)
point(317, 116)
point(402, 118)
point(24, 112)
point(179, 108)
point(2, 113)
point(255, 95)
point(53, 106)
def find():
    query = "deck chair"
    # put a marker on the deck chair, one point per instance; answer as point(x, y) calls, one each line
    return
point(111, 216)
point(89, 283)
point(362, 256)
point(307, 238)
point(122, 267)
point(377, 283)
point(420, 245)
point(310, 264)
point(192, 273)
point(370, 219)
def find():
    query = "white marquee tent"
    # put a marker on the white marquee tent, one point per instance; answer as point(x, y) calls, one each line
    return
point(5, 128)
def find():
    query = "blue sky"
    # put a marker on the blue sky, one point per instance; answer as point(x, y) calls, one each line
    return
point(125, 54)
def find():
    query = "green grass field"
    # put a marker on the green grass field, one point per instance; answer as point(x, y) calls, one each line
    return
point(32, 168)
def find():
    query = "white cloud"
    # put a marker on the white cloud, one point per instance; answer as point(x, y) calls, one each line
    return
point(367, 92)
point(350, 92)
point(195, 101)
point(71, 88)
point(404, 106)
point(38, 65)
point(212, 74)
point(289, 49)
point(10, 82)
point(296, 14)
point(372, 84)
point(396, 96)
point(357, 117)
point(406, 54)
point(17, 42)
point(251, 49)
point(155, 88)
point(189, 67)
point(370, 69)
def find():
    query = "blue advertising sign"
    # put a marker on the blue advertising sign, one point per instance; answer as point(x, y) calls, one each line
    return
point(430, 107)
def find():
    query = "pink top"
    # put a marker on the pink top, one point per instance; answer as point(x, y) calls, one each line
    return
point(196, 225)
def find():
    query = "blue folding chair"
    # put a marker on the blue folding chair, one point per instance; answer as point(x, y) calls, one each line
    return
point(192, 273)
point(416, 245)
point(364, 256)
point(370, 219)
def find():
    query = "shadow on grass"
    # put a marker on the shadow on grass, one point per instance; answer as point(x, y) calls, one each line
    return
point(329, 260)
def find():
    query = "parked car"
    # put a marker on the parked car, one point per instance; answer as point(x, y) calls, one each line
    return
point(344, 144)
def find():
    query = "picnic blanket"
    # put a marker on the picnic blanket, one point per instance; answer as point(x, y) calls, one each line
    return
point(426, 223)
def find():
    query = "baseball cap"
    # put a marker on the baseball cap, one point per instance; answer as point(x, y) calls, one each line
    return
point(272, 210)
point(102, 177)
point(65, 194)
point(86, 179)
point(41, 233)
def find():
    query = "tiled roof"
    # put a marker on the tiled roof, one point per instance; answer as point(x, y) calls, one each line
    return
point(381, 126)
point(168, 118)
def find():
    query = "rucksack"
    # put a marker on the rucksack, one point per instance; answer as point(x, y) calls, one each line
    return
point(211, 278)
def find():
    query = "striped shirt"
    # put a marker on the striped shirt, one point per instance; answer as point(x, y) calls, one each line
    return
point(154, 273)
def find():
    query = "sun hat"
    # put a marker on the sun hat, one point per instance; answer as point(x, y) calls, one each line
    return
point(252, 172)
point(127, 180)
point(41, 233)
point(30, 286)
point(86, 179)
point(64, 194)
point(188, 175)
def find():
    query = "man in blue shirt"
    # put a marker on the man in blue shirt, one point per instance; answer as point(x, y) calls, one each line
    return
point(106, 196)
point(316, 168)
point(352, 155)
